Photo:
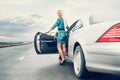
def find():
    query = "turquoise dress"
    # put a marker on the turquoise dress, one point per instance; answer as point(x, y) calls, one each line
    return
point(62, 35)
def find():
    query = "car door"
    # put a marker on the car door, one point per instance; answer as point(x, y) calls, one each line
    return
point(73, 37)
point(47, 44)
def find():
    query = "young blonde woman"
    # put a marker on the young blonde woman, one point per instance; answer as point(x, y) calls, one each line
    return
point(62, 35)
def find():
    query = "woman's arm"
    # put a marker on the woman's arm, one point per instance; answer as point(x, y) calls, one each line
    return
point(54, 26)
point(48, 31)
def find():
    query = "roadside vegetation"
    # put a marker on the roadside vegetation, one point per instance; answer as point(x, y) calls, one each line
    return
point(9, 44)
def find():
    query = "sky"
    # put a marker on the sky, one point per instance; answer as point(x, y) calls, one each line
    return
point(21, 19)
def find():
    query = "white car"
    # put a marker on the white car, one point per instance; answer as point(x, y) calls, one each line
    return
point(91, 47)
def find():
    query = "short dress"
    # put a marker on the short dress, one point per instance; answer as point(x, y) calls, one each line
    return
point(62, 35)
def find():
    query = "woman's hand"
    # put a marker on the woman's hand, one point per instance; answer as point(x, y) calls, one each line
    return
point(48, 31)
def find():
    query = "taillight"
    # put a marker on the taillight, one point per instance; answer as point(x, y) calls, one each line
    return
point(112, 35)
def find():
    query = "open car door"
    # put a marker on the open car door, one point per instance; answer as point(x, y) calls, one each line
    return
point(47, 44)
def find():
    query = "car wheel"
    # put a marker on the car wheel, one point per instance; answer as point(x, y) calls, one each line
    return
point(79, 63)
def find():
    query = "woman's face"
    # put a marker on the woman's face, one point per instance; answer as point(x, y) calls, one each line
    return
point(59, 14)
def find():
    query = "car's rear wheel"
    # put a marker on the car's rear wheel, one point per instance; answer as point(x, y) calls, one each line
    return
point(79, 62)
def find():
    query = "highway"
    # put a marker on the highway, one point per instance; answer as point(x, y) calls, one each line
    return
point(22, 63)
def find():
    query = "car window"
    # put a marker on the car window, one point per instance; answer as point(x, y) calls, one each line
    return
point(72, 26)
point(94, 19)
point(78, 26)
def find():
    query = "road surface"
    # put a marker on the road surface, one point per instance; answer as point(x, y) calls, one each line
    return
point(22, 63)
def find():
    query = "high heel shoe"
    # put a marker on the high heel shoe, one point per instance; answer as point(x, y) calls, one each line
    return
point(63, 62)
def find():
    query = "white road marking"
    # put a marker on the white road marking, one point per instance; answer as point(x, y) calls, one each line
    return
point(21, 58)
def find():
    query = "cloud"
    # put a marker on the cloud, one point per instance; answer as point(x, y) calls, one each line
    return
point(17, 28)
point(17, 1)
point(4, 37)
point(101, 8)
point(21, 28)
point(79, 3)
point(106, 9)
point(9, 28)
point(36, 16)
point(98, 5)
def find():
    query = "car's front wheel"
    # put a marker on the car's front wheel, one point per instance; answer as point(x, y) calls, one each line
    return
point(79, 62)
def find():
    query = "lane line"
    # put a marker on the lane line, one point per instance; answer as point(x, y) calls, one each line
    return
point(21, 58)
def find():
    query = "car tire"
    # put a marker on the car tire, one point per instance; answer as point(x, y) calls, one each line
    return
point(79, 62)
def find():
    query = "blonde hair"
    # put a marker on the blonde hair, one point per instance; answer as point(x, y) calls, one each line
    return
point(64, 20)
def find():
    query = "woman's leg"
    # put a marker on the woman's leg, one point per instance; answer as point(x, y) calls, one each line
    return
point(59, 47)
point(64, 49)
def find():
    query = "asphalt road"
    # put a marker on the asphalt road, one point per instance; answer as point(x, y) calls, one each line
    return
point(22, 63)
